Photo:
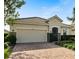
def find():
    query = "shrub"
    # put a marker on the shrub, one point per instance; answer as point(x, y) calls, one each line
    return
point(72, 38)
point(9, 40)
point(65, 45)
point(6, 37)
point(5, 34)
point(12, 39)
point(68, 37)
point(73, 47)
point(7, 52)
point(6, 45)
point(69, 46)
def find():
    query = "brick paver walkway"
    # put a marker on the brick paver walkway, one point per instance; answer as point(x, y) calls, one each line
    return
point(41, 51)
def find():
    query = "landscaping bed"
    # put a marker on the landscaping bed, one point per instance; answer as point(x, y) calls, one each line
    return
point(9, 42)
point(67, 44)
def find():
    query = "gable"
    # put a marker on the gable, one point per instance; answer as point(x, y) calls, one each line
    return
point(55, 20)
point(55, 17)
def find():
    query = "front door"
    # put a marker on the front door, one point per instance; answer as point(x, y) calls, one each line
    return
point(54, 34)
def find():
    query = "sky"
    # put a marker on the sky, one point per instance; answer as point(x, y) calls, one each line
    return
point(47, 9)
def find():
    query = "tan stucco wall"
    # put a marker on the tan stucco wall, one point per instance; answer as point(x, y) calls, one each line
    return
point(52, 23)
point(37, 27)
point(72, 32)
point(55, 23)
point(61, 26)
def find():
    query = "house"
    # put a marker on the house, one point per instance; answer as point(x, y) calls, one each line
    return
point(35, 29)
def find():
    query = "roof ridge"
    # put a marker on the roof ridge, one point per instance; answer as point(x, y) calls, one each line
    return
point(31, 18)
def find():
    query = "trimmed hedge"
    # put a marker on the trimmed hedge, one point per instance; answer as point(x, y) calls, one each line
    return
point(68, 37)
point(52, 37)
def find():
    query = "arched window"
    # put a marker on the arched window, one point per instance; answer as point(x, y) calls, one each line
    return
point(55, 30)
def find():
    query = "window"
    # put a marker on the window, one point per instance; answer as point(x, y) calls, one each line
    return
point(55, 30)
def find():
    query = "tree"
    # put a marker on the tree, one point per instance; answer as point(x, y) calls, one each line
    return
point(73, 17)
point(10, 13)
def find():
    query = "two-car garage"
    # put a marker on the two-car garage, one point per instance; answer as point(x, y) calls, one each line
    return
point(31, 35)
point(31, 30)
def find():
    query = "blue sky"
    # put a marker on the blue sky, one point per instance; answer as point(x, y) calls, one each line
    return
point(47, 8)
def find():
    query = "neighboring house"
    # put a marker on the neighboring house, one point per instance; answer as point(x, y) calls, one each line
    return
point(35, 29)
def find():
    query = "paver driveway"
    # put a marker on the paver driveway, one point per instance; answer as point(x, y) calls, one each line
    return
point(41, 51)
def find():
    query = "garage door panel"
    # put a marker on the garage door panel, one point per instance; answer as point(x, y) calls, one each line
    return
point(24, 36)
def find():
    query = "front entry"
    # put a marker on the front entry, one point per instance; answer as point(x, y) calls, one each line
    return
point(54, 34)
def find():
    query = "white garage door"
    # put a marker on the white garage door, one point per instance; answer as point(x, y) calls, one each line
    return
point(25, 36)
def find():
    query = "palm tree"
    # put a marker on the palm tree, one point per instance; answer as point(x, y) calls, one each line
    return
point(73, 20)
point(73, 17)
